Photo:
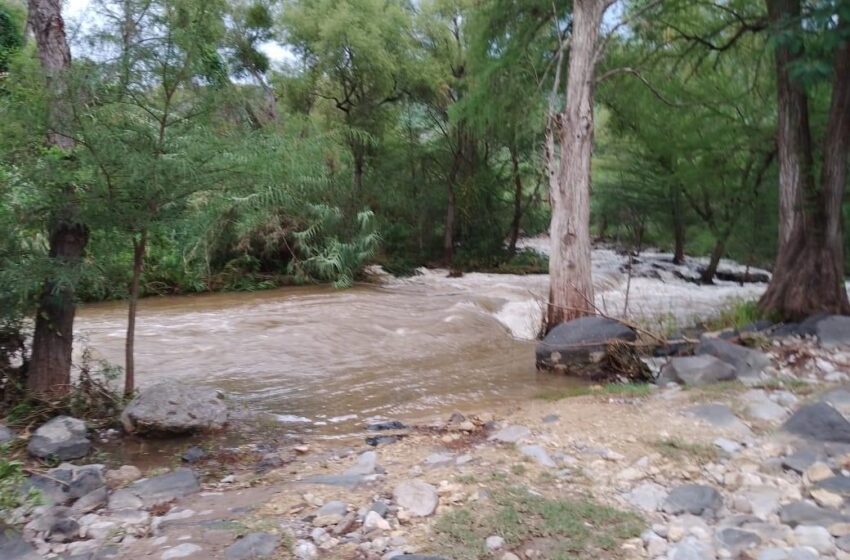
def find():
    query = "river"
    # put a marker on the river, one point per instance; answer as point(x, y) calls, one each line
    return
point(325, 361)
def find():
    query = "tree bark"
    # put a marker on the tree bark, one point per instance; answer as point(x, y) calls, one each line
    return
point(571, 286)
point(708, 274)
point(517, 219)
point(679, 230)
point(139, 247)
point(449, 234)
point(50, 366)
point(808, 276)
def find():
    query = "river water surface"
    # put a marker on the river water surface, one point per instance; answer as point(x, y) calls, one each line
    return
point(325, 361)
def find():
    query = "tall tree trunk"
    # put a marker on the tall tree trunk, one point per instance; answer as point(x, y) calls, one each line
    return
point(571, 286)
point(517, 219)
point(50, 366)
point(139, 247)
point(449, 234)
point(679, 231)
point(808, 276)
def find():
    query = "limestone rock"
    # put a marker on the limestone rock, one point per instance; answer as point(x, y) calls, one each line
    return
point(695, 371)
point(164, 488)
point(61, 438)
point(419, 498)
point(695, 499)
point(171, 408)
point(748, 363)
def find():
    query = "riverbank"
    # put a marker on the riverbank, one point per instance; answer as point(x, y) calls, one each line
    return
point(713, 471)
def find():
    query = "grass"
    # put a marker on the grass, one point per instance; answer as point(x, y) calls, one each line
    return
point(678, 449)
point(716, 390)
point(622, 389)
point(560, 529)
point(734, 315)
point(792, 385)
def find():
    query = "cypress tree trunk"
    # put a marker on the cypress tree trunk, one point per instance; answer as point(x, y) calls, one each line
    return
point(50, 366)
point(571, 285)
point(808, 276)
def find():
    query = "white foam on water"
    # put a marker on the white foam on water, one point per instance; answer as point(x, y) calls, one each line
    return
point(292, 419)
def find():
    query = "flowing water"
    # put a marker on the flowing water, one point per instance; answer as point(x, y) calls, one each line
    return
point(325, 361)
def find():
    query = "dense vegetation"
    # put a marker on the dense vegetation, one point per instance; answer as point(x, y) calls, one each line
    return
point(171, 155)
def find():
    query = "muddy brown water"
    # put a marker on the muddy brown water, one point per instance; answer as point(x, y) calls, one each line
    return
point(323, 362)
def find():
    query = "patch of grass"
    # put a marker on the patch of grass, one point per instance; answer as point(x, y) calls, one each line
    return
point(792, 385)
point(518, 469)
point(735, 315)
point(560, 529)
point(623, 389)
point(678, 449)
point(716, 390)
point(466, 479)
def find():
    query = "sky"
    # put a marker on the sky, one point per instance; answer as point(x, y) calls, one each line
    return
point(78, 14)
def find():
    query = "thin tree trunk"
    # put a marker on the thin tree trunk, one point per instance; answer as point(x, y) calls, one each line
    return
point(678, 226)
point(808, 276)
point(449, 234)
point(139, 246)
point(50, 366)
point(517, 219)
point(571, 286)
point(359, 166)
point(708, 274)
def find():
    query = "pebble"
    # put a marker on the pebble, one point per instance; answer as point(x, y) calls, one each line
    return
point(494, 542)
point(374, 521)
point(305, 550)
point(814, 537)
point(181, 551)
point(827, 499)
point(816, 472)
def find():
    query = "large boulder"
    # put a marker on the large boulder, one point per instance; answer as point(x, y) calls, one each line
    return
point(580, 341)
point(169, 408)
point(832, 330)
point(820, 422)
point(61, 438)
point(748, 363)
point(695, 371)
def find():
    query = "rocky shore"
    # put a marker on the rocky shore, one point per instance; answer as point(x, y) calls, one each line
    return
point(735, 453)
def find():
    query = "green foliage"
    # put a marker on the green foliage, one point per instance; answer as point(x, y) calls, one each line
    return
point(12, 18)
point(12, 482)
point(735, 315)
point(574, 528)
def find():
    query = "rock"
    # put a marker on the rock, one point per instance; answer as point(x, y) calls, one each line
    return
point(252, 545)
point(6, 435)
point(181, 551)
point(174, 408)
point(695, 371)
point(164, 488)
point(805, 513)
point(843, 543)
point(803, 553)
point(827, 499)
point(580, 341)
point(550, 418)
point(386, 425)
point(419, 498)
point(374, 521)
point(832, 330)
point(334, 507)
point(801, 460)
point(695, 499)
point(814, 537)
point(437, 459)
point(494, 542)
point(539, 454)
point(511, 434)
point(61, 438)
point(690, 548)
point(718, 415)
point(819, 421)
point(647, 496)
point(367, 463)
point(748, 363)
point(115, 478)
point(737, 540)
point(763, 500)
point(91, 501)
point(837, 484)
point(124, 499)
point(816, 473)
point(193, 454)
point(14, 547)
point(760, 407)
point(727, 445)
point(417, 557)
point(655, 545)
point(305, 550)
point(57, 524)
point(505, 556)
point(81, 479)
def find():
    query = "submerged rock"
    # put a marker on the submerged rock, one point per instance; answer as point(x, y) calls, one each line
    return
point(61, 438)
point(580, 341)
point(169, 408)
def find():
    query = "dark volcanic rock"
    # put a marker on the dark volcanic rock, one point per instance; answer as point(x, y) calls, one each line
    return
point(193, 454)
point(819, 421)
point(386, 425)
point(580, 341)
point(832, 330)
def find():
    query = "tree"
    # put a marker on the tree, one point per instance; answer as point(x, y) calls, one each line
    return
point(808, 276)
point(50, 365)
point(358, 52)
